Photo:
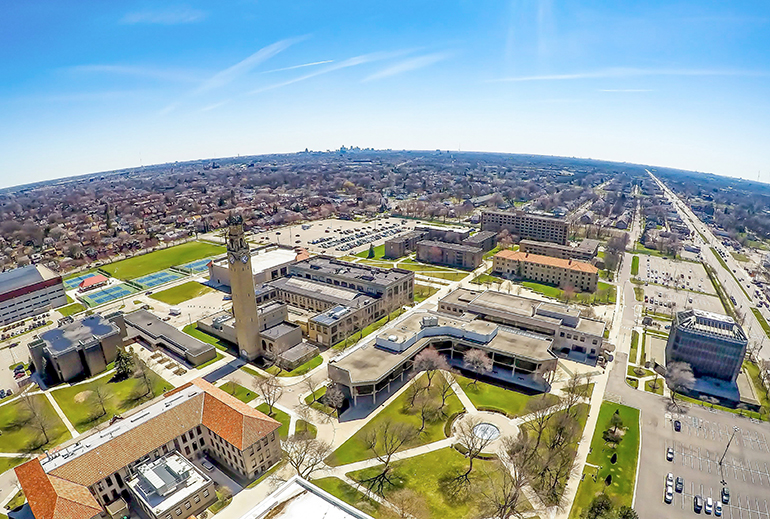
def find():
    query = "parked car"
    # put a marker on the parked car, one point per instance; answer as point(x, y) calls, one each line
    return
point(718, 509)
point(669, 479)
point(18, 375)
point(670, 454)
point(677, 425)
point(207, 465)
point(697, 504)
point(709, 505)
point(679, 484)
point(669, 496)
point(725, 495)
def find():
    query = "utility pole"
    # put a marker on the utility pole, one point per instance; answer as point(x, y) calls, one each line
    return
point(722, 459)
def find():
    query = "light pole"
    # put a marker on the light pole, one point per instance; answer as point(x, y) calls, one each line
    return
point(722, 459)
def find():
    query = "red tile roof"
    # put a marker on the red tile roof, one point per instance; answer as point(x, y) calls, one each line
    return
point(527, 257)
point(51, 497)
point(93, 280)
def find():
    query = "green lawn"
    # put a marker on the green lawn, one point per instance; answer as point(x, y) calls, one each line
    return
point(641, 249)
point(192, 330)
point(19, 436)
point(162, 259)
point(639, 293)
point(483, 279)
point(589, 389)
point(633, 382)
point(306, 427)
point(740, 257)
point(546, 290)
point(658, 389)
point(753, 371)
point(493, 398)
point(17, 500)
point(299, 370)
point(318, 405)
point(279, 415)
point(181, 293)
point(621, 490)
point(762, 320)
point(635, 266)
point(350, 495)
point(379, 252)
point(221, 502)
point(218, 356)
point(84, 413)
point(71, 309)
point(399, 410)
point(632, 356)
point(238, 391)
point(251, 371)
point(428, 475)
point(367, 330)
point(644, 372)
point(423, 292)
point(607, 296)
point(9, 463)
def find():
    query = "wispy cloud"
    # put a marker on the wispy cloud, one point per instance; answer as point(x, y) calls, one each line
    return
point(230, 74)
point(164, 74)
point(350, 62)
point(294, 67)
point(215, 105)
point(634, 72)
point(168, 16)
point(409, 65)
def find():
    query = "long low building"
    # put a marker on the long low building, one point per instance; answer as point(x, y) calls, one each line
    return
point(29, 291)
point(586, 250)
point(574, 337)
point(157, 333)
point(546, 269)
point(519, 358)
point(87, 477)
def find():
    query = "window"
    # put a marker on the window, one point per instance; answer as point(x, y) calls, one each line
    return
point(187, 505)
point(197, 498)
point(206, 493)
point(178, 511)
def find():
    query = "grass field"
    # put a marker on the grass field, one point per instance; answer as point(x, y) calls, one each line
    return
point(740, 257)
point(605, 292)
point(429, 476)
point(299, 370)
point(658, 389)
point(9, 463)
point(423, 292)
point(238, 391)
point(635, 266)
point(632, 356)
point(139, 266)
point(631, 372)
point(488, 397)
point(639, 293)
point(84, 413)
point(181, 293)
point(279, 415)
point(379, 252)
point(19, 436)
point(70, 309)
point(621, 490)
point(398, 411)
point(192, 330)
point(307, 428)
point(350, 495)
point(483, 279)
point(762, 320)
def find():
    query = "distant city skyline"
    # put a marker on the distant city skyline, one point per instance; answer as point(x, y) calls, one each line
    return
point(89, 87)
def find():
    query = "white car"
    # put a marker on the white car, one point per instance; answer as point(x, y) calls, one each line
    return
point(669, 479)
point(669, 497)
point(718, 509)
point(709, 505)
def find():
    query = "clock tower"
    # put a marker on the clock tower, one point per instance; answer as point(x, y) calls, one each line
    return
point(242, 286)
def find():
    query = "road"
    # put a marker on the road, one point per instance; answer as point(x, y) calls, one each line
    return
point(729, 282)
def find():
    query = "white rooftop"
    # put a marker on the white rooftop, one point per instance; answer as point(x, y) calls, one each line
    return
point(298, 499)
point(262, 260)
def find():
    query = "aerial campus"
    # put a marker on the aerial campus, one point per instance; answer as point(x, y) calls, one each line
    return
point(501, 348)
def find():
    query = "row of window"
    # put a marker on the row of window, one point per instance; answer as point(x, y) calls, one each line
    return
point(188, 505)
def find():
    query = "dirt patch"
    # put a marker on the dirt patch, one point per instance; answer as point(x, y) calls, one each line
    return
point(83, 396)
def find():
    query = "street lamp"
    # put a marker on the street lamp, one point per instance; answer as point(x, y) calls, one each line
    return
point(722, 459)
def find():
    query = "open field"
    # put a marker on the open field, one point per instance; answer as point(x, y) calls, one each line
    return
point(144, 264)
point(192, 330)
point(350, 495)
point(493, 398)
point(243, 394)
point(181, 293)
point(18, 434)
point(71, 309)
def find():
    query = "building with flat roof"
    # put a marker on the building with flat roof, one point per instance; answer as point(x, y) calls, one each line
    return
point(449, 254)
point(713, 344)
point(526, 226)
point(80, 349)
point(485, 240)
point(299, 499)
point(29, 291)
point(563, 273)
point(402, 245)
point(586, 250)
point(267, 263)
point(519, 357)
point(574, 337)
point(154, 331)
point(84, 477)
point(171, 486)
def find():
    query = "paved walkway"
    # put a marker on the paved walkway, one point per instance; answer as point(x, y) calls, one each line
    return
point(61, 414)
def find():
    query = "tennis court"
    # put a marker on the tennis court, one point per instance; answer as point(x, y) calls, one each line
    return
point(108, 294)
point(72, 283)
point(196, 266)
point(158, 278)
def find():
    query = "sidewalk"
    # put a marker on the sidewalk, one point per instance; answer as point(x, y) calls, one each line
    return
point(61, 414)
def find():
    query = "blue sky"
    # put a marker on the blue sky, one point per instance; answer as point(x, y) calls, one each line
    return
point(92, 86)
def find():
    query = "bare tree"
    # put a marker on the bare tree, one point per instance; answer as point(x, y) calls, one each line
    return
point(502, 491)
point(269, 389)
point(444, 390)
point(406, 504)
point(679, 378)
point(574, 391)
point(308, 384)
point(478, 361)
point(430, 360)
point(414, 391)
point(334, 397)
point(100, 394)
point(305, 455)
point(384, 441)
point(37, 418)
point(540, 409)
point(427, 408)
point(474, 443)
point(143, 372)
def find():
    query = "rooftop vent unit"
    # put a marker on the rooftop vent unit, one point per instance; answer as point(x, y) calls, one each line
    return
point(429, 320)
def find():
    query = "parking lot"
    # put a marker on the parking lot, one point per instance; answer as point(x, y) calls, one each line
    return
point(666, 272)
point(660, 300)
point(337, 237)
point(698, 448)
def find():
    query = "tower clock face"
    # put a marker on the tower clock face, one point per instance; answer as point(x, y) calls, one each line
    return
point(244, 259)
point(232, 259)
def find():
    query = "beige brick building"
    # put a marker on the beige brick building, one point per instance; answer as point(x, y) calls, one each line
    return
point(545, 269)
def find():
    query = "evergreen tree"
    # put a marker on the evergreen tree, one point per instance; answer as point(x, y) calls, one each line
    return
point(124, 364)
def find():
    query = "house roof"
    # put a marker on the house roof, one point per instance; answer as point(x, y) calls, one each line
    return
point(51, 497)
point(527, 257)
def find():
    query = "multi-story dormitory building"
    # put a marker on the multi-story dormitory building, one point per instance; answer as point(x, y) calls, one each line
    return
point(90, 476)
point(546, 269)
point(526, 225)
